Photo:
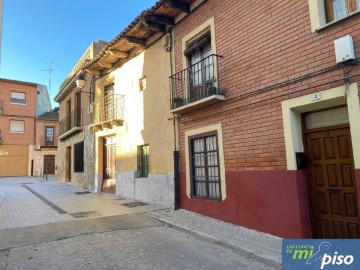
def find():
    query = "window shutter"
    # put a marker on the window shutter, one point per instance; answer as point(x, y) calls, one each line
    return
point(17, 95)
point(17, 126)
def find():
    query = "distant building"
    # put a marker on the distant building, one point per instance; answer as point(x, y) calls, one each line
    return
point(45, 151)
point(19, 102)
point(1, 17)
point(76, 142)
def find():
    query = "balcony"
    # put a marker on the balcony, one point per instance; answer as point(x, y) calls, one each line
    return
point(47, 141)
point(72, 123)
point(196, 87)
point(107, 112)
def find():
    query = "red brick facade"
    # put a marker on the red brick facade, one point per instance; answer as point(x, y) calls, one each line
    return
point(269, 55)
point(20, 112)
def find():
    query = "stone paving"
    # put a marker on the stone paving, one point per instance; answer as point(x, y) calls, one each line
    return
point(21, 208)
point(32, 205)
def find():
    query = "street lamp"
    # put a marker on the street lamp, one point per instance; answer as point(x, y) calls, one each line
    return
point(80, 81)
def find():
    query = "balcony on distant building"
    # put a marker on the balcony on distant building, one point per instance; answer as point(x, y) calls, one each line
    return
point(196, 87)
point(72, 123)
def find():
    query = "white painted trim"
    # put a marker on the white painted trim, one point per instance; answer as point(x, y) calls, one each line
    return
point(293, 108)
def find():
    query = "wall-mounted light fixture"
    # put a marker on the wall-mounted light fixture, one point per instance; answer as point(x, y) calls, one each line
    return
point(80, 81)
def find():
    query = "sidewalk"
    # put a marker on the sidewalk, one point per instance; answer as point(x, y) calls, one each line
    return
point(32, 201)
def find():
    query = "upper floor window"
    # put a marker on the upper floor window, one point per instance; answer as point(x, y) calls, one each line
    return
point(49, 136)
point(338, 9)
point(17, 126)
point(18, 98)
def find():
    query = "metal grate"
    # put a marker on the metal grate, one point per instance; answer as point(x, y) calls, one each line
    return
point(134, 204)
point(82, 192)
point(85, 214)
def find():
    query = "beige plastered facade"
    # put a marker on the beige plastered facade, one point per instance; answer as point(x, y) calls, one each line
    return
point(146, 114)
point(293, 108)
point(216, 127)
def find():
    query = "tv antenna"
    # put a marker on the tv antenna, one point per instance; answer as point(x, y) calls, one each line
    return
point(50, 70)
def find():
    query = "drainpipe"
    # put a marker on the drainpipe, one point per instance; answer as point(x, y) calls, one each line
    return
point(169, 49)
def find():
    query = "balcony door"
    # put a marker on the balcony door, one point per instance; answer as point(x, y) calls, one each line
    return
point(78, 110)
point(68, 115)
point(200, 68)
point(49, 136)
point(109, 102)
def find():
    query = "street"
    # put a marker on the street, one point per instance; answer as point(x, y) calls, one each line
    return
point(53, 225)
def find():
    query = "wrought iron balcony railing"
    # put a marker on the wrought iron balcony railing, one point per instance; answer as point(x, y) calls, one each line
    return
point(48, 141)
point(195, 83)
point(76, 118)
point(107, 109)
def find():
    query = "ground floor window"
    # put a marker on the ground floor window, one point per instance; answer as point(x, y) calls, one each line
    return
point(143, 160)
point(79, 157)
point(204, 166)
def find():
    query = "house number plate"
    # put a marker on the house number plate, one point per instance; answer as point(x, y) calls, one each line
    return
point(316, 96)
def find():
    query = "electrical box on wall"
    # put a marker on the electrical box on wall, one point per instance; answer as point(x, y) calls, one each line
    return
point(344, 49)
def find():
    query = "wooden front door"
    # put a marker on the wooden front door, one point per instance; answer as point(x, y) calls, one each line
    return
point(331, 177)
point(49, 164)
point(109, 178)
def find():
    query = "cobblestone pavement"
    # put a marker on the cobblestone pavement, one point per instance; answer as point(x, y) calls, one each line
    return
point(31, 201)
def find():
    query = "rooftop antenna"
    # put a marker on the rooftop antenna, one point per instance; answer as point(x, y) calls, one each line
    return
point(50, 70)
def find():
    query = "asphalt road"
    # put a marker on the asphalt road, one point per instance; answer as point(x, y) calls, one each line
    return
point(118, 242)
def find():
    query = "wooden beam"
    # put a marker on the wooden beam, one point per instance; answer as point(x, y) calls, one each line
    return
point(137, 41)
point(161, 19)
point(184, 7)
point(93, 72)
point(157, 27)
point(105, 65)
point(119, 54)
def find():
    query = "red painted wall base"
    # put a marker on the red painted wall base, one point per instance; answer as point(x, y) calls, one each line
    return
point(274, 202)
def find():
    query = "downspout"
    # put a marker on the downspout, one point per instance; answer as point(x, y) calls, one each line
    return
point(175, 152)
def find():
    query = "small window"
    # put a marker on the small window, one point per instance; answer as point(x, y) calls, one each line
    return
point(204, 161)
point(79, 157)
point(338, 9)
point(142, 83)
point(143, 160)
point(17, 126)
point(18, 98)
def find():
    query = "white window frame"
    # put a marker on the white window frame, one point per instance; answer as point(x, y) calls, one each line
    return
point(15, 93)
point(318, 15)
point(16, 129)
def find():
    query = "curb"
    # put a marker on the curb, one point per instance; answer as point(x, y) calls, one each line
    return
point(243, 250)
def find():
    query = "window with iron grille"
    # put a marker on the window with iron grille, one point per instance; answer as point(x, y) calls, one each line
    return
point(143, 160)
point(204, 161)
point(79, 157)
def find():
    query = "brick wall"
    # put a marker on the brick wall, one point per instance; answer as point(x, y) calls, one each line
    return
point(18, 112)
point(263, 44)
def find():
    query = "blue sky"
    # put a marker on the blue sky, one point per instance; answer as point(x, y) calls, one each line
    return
point(37, 32)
